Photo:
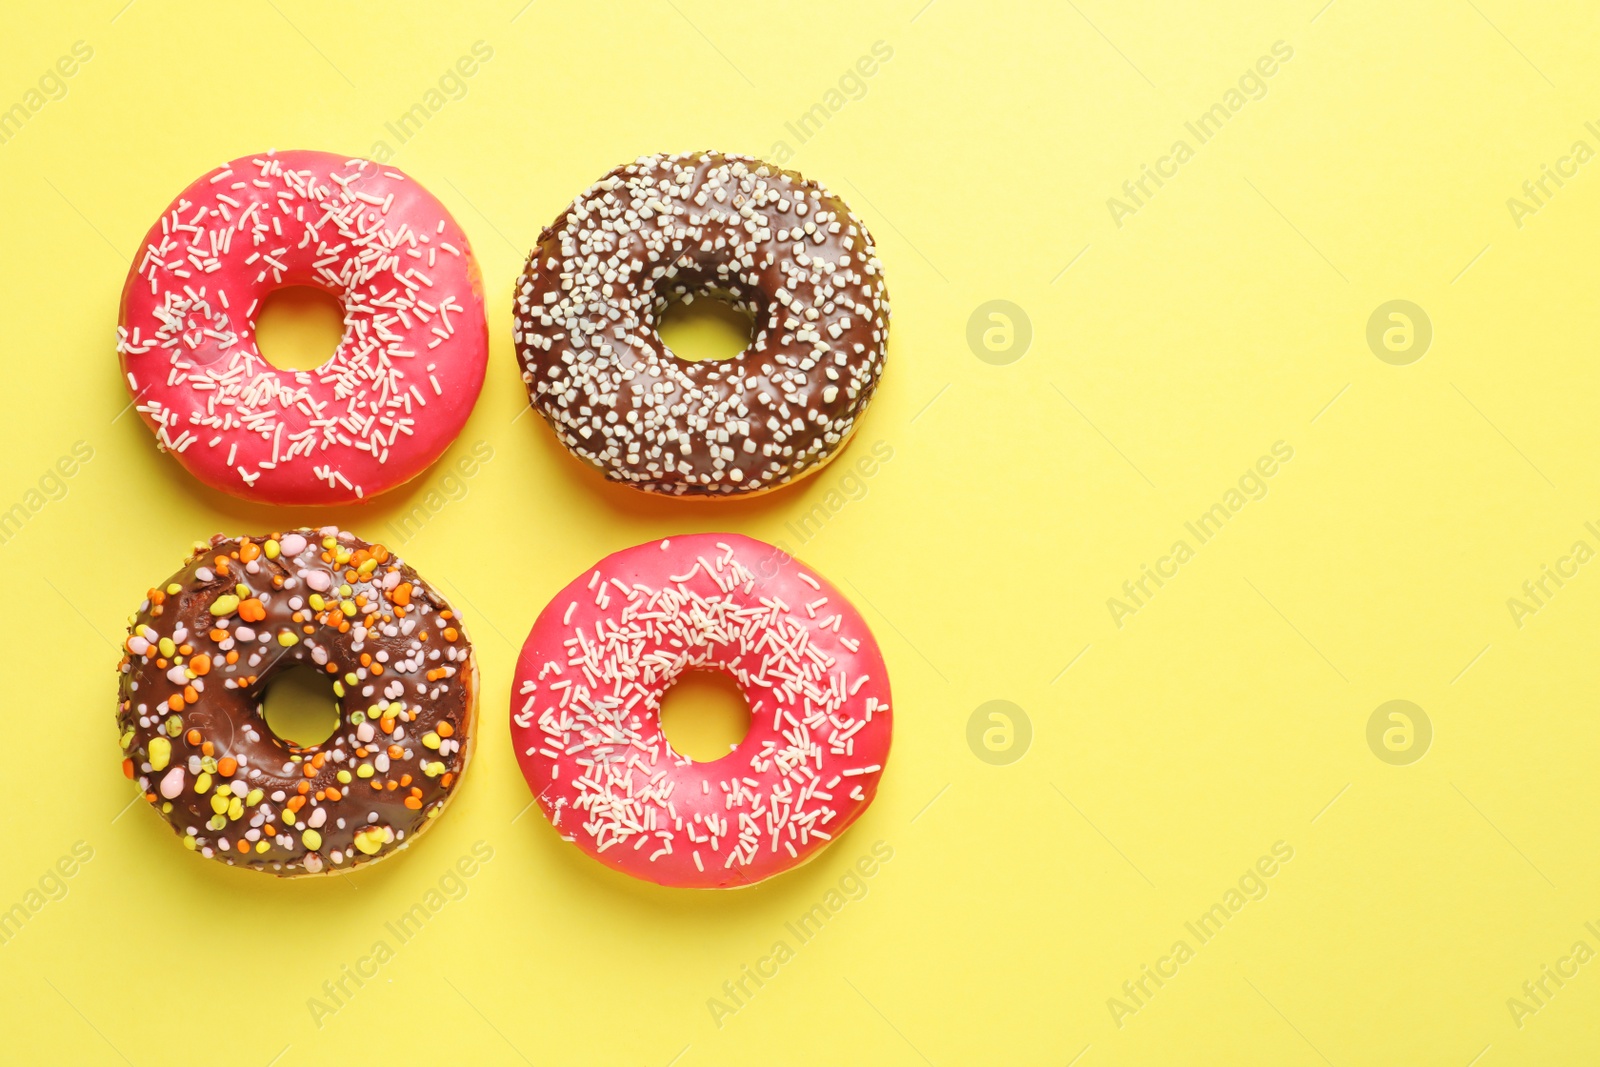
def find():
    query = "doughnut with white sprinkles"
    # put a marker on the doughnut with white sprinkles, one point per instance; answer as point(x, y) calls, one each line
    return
point(200, 654)
point(677, 227)
point(389, 400)
point(586, 712)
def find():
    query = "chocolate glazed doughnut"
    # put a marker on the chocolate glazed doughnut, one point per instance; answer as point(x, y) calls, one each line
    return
point(206, 644)
point(665, 228)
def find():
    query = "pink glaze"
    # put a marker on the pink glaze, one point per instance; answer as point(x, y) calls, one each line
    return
point(586, 712)
point(387, 402)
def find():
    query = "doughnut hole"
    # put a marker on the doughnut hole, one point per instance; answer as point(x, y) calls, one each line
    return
point(299, 327)
point(300, 708)
point(705, 327)
point(704, 715)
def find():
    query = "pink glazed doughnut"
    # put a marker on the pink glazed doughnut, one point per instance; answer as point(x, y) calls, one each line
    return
point(586, 712)
point(387, 402)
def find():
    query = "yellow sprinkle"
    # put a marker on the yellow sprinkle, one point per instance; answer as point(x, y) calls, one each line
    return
point(235, 808)
point(347, 606)
point(312, 840)
point(202, 784)
point(168, 649)
point(316, 601)
point(364, 771)
point(343, 776)
point(242, 589)
point(351, 679)
point(188, 842)
point(272, 549)
point(174, 725)
point(127, 737)
point(217, 822)
point(288, 816)
point(225, 605)
point(254, 798)
point(160, 753)
point(330, 541)
point(430, 740)
point(341, 555)
point(433, 770)
point(286, 639)
point(219, 803)
point(262, 846)
point(338, 688)
point(344, 590)
point(367, 567)
point(174, 589)
point(370, 840)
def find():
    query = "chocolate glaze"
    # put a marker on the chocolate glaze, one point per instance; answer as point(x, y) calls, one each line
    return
point(398, 658)
point(668, 228)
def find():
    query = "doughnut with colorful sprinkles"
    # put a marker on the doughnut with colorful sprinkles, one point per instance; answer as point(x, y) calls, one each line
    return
point(205, 645)
point(673, 228)
point(394, 393)
point(586, 712)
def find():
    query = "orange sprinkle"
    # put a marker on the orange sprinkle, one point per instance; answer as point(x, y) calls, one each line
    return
point(405, 780)
point(191, 695)
point(175, 703)
point(396, 752)
point(332, 793)
point(193, 736)
point(444, 783)
point(226, 766)
point(414, 803)
point(252, 610)
point(249, 550)
point(401, 594)
point(444, 729)
point(450, 633)
point(296, 802)
point(303, 787)
point(201, 664)
point(218, 635)
point(127, 768)
point(270, 830)
point(232, 657)
point(208, 749)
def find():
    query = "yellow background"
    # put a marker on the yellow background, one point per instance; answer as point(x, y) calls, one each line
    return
point(1228, 313)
